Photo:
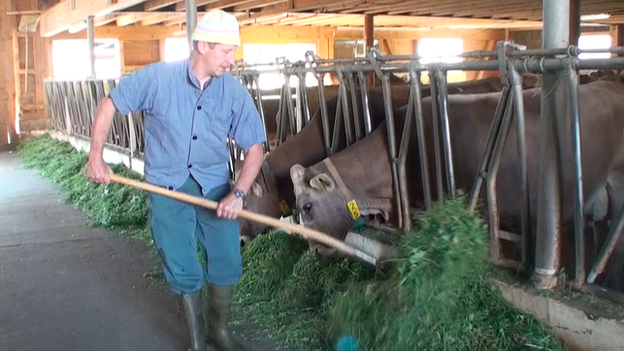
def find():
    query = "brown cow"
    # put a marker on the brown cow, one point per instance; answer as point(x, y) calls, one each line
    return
point(365, 168)
point(273, 184)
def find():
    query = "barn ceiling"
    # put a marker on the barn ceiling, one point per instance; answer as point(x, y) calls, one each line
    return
point(388, 13)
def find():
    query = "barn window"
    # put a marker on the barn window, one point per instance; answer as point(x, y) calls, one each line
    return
point(265, 53)
point(176, 49)
point(70, 59)
point(594, 41)
point(441, 50)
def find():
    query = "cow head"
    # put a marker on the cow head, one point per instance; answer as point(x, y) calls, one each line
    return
point(259, 200)
point(321, 205)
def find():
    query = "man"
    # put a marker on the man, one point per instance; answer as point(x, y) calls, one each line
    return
point(191, 107)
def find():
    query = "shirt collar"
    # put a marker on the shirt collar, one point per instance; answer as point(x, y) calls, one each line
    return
point(193, 79)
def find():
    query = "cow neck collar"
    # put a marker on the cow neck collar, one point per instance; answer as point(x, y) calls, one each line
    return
point(352, 203)
point(271, 184)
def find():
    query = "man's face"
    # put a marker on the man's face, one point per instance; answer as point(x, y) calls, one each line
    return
point(219, 58)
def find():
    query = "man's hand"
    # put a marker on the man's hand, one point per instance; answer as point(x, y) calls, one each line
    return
point(229, 207)
point(98, 170)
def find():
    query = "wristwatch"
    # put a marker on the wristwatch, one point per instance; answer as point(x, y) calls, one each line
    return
point(239, 194)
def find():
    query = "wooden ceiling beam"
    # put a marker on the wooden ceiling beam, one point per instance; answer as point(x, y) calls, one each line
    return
point(157, 18)
point(126, 20)
point(66, 13)
point(152, 5)
point(124, 33)
point(258, 4)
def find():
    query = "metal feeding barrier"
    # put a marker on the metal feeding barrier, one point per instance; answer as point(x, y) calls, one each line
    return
point(72, 107)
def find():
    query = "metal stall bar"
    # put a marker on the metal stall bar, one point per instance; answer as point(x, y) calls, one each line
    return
point(355, 110)
point(555, 35)
point(525, 222)
point(324, 114)
point(399, 187)
point(485, 160)
point(288, 96)
point(493, 218)
point(365, 103)
point(344, 94)
point(281, 116)
point(579, 220)
point(305, 99)
point(255, 82)
point(446, 133)
point(416, 106)
point(337, 130)
point(435, 122)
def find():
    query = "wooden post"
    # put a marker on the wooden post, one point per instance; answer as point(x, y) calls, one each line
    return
point(369, 39)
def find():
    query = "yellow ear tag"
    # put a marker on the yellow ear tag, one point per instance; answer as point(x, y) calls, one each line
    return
point(354, 210)
point(284, 208)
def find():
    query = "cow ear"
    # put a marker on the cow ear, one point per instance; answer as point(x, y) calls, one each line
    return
point(322, 182)
point(257, 190)
point(296, 175)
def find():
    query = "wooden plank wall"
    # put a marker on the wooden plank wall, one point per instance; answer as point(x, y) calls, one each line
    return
point(7, 95)
point(29, 67)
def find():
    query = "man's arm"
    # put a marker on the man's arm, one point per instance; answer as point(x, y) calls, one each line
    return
point(230, 206)
point(97, 169)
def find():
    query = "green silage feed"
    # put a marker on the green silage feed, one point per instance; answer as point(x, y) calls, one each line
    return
point(434, 296)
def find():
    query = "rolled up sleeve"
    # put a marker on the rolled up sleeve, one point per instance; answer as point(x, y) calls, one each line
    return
point(246, 128)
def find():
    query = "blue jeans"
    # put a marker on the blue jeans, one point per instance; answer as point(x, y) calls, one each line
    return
point(177, 227)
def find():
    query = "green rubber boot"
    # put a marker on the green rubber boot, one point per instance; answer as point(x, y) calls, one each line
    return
point(218, 305)
point(193, 308)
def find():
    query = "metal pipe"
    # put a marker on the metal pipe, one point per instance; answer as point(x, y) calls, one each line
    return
point(579, 220)
point(324, 114)
point(446, 133)
point(255, 82)
point(305, 99)
point(525, 219)
point(298, 110)
point(355, 110)
point(346, 115)
point(605, 253)
point(484, 162)
point(91, 41)
point(365, 103)
point(281, 111)
point(416, 96)
point(191, 21)
point(289, 104)
point(402, 218)
point(556, 14)
point(529, 64)
point(436, 133)
point(499, 145)
point(337, 123)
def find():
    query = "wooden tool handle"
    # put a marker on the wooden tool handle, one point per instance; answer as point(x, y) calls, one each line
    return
point(306, 233)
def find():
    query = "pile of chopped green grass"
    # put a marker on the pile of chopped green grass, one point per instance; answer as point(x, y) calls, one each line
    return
point(436, 296)
point(109, 205)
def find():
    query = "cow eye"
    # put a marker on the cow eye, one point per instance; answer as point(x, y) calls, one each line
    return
point(307, 207)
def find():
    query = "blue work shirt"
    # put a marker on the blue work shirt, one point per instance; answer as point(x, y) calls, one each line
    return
point(186, 126)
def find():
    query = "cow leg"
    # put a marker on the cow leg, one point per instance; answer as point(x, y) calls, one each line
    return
point(615, 270)
point(597, 209)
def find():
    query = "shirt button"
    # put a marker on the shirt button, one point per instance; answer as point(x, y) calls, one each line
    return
point(170, 188)
point(199, 107)
point(194, 137)
point(190, 166)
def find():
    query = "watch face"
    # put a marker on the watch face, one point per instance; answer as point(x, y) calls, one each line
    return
point(239, 194)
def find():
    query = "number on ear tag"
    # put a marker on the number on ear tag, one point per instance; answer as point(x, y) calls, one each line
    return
point(354, 210)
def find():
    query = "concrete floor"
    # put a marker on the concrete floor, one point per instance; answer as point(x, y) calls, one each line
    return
point(65, 286)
